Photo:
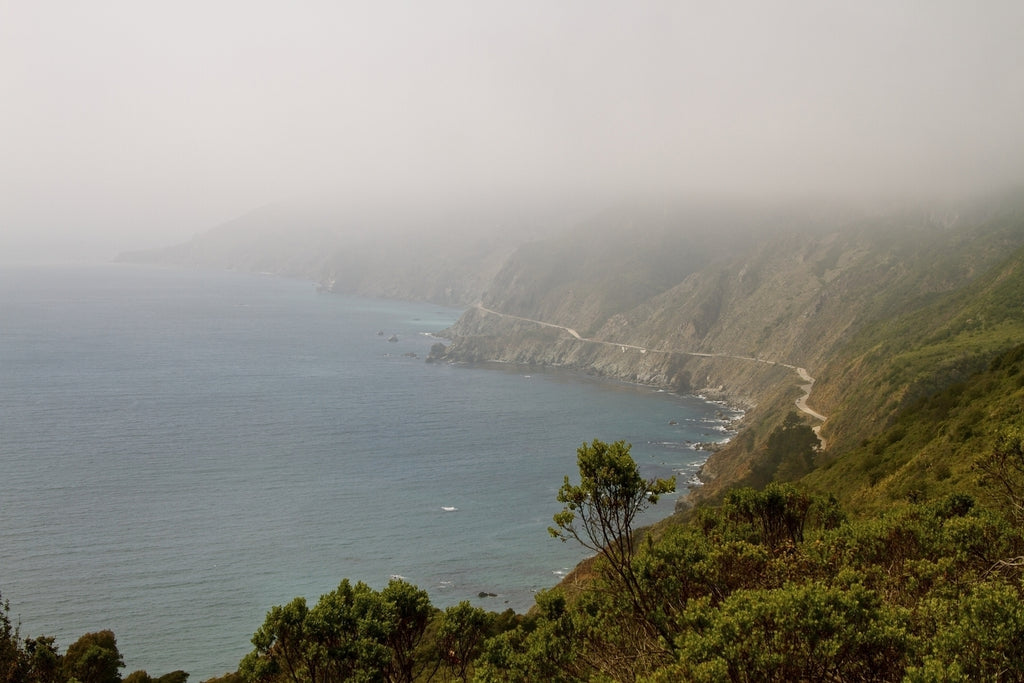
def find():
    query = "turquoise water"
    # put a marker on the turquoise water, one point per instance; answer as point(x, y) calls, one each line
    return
point(182, 450)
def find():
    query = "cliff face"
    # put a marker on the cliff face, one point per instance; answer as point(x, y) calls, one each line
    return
point(724, 301)
point(783, 292)
point(732, 315)
point(615, 261)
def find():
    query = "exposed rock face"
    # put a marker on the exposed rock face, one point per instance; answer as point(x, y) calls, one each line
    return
point(784, 296)
point(480, 336)
point(738, 326)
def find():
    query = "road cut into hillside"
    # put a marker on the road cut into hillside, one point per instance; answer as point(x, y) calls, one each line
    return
point(801, 403)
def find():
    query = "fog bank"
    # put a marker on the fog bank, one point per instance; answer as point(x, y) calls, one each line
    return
point(130, 125)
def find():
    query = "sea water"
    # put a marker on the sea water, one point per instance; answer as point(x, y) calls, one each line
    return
point(182, 450)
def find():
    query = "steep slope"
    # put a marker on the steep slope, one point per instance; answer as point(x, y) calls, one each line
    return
point(619, 259)
point(900, 360)
point(741, 318)
point(724, 300)
point(931, 447)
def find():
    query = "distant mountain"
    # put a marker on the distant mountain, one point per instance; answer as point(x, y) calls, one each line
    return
point(428, 253)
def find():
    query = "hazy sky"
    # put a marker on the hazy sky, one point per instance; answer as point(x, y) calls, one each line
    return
point(126, 124)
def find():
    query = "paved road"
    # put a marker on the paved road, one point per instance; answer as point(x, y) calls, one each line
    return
point(801, 403)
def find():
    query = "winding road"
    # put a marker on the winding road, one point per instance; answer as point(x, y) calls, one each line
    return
point(801, 403)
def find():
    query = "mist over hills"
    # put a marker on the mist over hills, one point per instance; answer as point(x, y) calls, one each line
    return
point(426, 251)
point(882, 306)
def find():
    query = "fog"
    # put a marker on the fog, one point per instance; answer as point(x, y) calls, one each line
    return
point(126, 125)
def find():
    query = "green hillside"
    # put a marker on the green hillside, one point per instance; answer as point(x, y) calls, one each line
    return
point(932, 446)
point(880, 308)
point(900, 360)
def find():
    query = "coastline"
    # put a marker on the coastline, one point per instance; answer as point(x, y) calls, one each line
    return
point(731, 424)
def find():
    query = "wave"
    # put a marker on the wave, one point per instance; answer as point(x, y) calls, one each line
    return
point(671, 445)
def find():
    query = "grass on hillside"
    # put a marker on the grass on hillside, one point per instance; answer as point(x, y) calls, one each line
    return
point(928, 450)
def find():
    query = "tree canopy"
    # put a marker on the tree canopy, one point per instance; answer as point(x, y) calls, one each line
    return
point(600, 511)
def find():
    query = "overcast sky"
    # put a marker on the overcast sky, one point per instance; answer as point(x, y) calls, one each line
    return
point(127, 124)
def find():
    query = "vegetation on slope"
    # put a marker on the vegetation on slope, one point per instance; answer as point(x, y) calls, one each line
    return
point(900, 314)
point(930, 449)
point(93, 658)
point(899, 360)
point(771, 585)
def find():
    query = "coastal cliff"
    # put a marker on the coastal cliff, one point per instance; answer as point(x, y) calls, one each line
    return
point(732, 302)
point(735, 318)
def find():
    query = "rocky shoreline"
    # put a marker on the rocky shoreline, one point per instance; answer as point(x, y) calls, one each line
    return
point(754, 386)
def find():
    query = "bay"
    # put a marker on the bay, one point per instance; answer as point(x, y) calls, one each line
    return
point(181, 450)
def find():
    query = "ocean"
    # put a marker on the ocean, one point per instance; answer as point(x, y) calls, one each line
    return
point(182, 450)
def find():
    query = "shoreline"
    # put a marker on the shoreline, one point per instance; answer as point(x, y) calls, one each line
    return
point(684, 490)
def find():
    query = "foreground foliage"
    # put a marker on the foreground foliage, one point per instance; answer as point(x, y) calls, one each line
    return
point(918, 594)
point(600, 510)
point(774, 584)
point(93, 658)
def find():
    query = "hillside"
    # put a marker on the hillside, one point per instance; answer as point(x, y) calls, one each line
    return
point(851, 298)
point(417, 253)
point(931, 447)
point(881, 307)
point(937, 384)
